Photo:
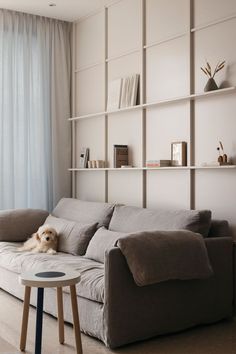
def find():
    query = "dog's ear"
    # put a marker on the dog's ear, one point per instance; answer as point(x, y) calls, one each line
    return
point(36, 235)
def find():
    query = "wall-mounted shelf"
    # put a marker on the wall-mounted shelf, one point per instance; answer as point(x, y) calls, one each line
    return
point(153, 168)
point(187, 114)
point(213, 23)
point(194, 96)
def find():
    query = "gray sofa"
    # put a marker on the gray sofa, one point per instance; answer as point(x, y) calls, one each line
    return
point(112, 307)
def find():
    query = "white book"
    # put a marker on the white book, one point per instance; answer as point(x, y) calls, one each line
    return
point(123, 92)
point(135, 82)
point(114, 94)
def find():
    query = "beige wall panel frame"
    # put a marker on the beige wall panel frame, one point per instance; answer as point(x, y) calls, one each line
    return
point(167, 71)
point(168, 189)
point(208, 11)
point(90, 41)
point(166, 19)
point(124, 27)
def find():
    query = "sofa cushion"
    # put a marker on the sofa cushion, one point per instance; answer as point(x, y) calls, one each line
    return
point(133, 219)
point(18, 224)
point(219, 228)
point(73, 237)
point(101, 241)
point(91, 285)
point(83, 211)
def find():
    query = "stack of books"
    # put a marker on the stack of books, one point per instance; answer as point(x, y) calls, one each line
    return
point(120, 155)
point(158, 163)
point(122, 92)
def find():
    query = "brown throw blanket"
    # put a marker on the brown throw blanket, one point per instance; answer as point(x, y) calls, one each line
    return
point(157, 256)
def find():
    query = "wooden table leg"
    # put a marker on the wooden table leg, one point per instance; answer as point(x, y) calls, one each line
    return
point(39, 321)
point(25, 317)
point(60, 315)
point(76, 319)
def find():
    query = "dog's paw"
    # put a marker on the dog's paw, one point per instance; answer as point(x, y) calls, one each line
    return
point(36, 250)
point(51, 251)
point(20, 249)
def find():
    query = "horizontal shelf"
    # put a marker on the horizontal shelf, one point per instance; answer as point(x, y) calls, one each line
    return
point(154, 168)
point(164, 40)
point(213, 23)
point(89, 66)
point(159, 103)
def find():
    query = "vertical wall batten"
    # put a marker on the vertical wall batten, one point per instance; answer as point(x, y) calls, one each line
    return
point(191, 106)
point(143, 99)
point(105, 98)
point(73, 127)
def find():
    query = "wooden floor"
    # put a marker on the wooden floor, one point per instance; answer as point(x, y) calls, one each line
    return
point(215, 339)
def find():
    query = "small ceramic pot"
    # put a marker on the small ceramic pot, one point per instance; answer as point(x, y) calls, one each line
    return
point(210, 85)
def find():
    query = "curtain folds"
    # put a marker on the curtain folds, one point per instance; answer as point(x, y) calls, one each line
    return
point(34, 108)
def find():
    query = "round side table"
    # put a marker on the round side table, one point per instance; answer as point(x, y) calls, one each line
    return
point(49, 279)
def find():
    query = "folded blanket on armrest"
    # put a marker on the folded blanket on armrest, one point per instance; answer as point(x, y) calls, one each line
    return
point(157, 256)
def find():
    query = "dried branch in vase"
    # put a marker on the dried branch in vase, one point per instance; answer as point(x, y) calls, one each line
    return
point(208, 71)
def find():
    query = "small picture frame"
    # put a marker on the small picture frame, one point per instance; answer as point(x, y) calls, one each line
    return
point(179, 153)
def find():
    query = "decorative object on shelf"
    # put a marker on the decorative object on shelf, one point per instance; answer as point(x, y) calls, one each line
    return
point(158, 163)
point(120, 155)
point(114, 94)
point(179, 153)
point(126, 166)
point(84, 156)
point(100, 164)
point(211, 84)
point(222, 158)
point(96, 164)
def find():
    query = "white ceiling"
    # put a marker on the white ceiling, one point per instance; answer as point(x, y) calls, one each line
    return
point(67, 10)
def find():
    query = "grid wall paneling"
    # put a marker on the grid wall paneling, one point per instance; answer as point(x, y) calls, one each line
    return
point(166, 42)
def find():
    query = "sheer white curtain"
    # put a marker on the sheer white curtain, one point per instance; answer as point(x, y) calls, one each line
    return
point(34, 107)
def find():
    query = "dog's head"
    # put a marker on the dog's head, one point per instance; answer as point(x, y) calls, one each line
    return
point(46, 234)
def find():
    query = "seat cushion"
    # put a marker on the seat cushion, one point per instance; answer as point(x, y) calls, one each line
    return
point(84, 212)
point(91, 285)
point(133, 219)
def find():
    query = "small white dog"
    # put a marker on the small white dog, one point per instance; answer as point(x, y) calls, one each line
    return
point(45, 240)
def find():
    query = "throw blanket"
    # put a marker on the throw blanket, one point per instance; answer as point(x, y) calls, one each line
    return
point(157, 256)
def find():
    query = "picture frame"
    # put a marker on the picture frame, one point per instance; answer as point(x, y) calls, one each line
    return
point(179, 153)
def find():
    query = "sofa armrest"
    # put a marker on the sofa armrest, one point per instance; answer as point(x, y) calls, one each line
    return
point(133, 312)
point(17, 225)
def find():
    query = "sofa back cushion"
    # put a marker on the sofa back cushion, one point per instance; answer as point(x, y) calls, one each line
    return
point(84, 212)
point(101, 241)
point(16, 225)
point(219, 228)
point(132, 219)
point(73, 237)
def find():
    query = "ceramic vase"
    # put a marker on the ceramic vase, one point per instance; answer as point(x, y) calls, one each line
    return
point(210, 85)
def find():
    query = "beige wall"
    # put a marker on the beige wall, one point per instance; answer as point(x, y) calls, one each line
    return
point(168, 67)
